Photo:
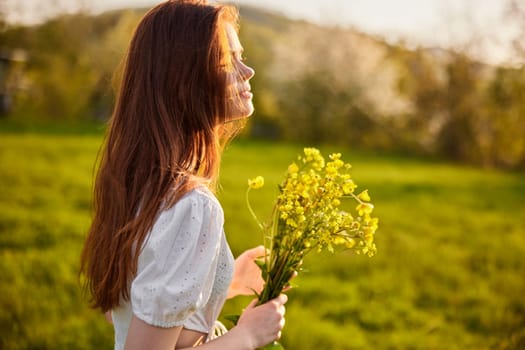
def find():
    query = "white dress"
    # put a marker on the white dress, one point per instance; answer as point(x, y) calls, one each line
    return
point(184, 269)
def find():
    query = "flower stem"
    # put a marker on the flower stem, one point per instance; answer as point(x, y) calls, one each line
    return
point(261, 226)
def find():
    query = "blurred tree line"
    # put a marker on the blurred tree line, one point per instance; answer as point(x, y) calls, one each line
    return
point(70, 65)
point(313, 85)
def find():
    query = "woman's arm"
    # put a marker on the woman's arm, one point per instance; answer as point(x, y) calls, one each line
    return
point(257, 326)
point(142, 336)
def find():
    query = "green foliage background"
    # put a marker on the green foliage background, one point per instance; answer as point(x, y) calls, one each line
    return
point(448, 275)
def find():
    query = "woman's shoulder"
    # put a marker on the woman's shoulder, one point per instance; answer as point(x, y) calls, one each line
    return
point(199, 198)
point(195, 210)
point(199, 194)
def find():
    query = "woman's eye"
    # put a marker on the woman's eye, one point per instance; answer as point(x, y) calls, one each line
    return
point(240, 57)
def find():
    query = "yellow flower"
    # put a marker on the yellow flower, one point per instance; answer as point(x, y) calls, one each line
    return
point(349, 187)
point(309, 215)
point(293, 168)
point(364, 208)
point(256, 182)
point(291, 222)
point(350, 243)
point(364, 196)
point(331, 170)
point(335, 156)
point(340, 240)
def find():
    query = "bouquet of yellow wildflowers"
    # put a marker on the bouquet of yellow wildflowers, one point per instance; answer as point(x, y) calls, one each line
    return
point(307, 216)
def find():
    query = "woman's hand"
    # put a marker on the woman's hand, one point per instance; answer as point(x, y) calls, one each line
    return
point(263, 324)
point(247, 277)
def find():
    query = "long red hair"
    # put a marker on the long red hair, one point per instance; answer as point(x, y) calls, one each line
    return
point(164, 137)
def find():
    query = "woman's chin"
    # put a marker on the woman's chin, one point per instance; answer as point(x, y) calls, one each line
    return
point(250, 112)
point(242, 114)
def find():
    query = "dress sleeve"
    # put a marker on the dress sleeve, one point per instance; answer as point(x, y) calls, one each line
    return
point(178, 262)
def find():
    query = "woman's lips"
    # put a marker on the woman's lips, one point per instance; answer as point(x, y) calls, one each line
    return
point(246, 94)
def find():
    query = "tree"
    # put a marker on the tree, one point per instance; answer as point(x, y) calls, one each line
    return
point(506, 130)
point(457, 139)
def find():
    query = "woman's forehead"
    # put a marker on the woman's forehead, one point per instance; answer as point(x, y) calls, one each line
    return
point(233, 38)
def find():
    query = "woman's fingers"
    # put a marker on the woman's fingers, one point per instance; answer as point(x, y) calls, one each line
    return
point(281, 299)
point(263, 323)
point(257, 252)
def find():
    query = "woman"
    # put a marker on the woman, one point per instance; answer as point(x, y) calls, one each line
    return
point(156, 256)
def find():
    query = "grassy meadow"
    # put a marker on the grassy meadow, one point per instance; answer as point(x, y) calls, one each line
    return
point(449, 274)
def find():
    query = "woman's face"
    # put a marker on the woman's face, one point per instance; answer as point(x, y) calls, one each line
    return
point(239, 104)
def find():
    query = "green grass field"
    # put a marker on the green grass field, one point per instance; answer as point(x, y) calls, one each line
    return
point(449, 274)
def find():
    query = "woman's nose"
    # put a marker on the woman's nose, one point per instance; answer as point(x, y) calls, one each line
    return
point(246, 72)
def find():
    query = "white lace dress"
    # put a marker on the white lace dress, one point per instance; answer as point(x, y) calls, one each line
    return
point(184, 269)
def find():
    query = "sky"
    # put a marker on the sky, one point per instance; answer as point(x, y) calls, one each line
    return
point(480, 24)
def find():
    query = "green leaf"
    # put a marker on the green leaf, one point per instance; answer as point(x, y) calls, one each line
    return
point(261, 263)
point(232, 318)
point(264, 268)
